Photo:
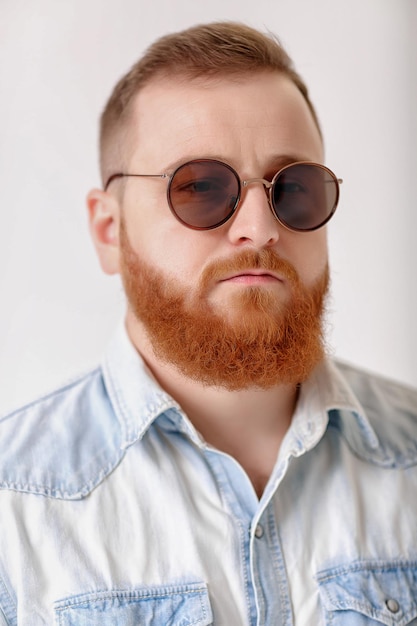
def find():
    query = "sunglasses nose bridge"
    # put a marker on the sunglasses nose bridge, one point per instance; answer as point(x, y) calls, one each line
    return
point(268, 185)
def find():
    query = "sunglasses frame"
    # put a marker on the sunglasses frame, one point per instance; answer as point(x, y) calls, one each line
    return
point(268, 186)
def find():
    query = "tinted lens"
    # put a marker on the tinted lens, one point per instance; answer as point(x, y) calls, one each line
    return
point(305, 196)
point(203, 194)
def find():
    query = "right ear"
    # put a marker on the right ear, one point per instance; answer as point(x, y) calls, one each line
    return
point(104, 221)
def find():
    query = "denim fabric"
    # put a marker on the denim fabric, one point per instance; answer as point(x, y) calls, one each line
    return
point(114, 510)
point(366, 593)
point(181, 606)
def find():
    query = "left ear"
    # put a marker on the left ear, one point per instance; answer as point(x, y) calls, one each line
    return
point(104, 221)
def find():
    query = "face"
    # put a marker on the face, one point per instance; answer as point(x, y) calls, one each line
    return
point(256, 125)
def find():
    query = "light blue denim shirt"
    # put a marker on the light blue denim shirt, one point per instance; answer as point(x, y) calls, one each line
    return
point(113, 510)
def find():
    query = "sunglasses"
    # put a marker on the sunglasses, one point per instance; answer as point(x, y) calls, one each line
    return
point(205, 193)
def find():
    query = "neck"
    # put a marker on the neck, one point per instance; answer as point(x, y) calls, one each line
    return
point(247, 424)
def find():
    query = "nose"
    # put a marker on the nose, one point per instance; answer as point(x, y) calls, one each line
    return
point(254, 222)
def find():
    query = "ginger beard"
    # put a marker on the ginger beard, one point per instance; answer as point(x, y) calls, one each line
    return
point(259, 341)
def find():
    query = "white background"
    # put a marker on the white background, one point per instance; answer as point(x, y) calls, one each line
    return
point(58, 63)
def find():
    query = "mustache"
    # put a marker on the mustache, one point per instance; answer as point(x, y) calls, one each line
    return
point(266, 259)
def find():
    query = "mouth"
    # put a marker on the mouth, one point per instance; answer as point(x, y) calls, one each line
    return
point(253, 277)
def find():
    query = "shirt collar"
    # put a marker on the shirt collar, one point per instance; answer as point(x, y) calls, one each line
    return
point(327, 398)
point(136, 396)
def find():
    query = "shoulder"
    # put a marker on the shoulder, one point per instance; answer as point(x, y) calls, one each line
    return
point(377, 393)
point(61, 444)
point(390, 409)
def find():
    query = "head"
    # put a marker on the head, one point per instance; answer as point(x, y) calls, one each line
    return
point(209, 52)
point(221, 303)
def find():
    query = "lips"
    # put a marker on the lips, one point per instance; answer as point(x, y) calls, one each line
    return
point(252, 277)
point(253, 272)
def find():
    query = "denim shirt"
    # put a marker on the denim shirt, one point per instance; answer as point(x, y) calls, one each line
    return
point(114, 510)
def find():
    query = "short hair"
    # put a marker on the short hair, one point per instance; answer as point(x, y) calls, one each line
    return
point(205, 51)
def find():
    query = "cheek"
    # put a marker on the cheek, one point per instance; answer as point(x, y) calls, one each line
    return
point(310, 255)
point(170, 247)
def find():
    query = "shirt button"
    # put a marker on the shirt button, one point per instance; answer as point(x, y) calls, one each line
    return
point(259, 531)
point(392, 605)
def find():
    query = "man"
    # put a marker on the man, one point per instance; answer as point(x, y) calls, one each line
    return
point(217, 468)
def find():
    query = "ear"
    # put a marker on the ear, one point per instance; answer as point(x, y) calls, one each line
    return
point(104, 220)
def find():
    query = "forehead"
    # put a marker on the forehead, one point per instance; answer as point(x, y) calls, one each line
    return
point(250, 118)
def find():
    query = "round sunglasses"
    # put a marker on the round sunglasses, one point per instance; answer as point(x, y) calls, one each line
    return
point(205, 193)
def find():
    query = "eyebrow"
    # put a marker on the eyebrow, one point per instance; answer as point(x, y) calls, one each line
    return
point(275, 162)
point(281, 160)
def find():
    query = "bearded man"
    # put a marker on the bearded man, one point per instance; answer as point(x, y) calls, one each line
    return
point(218, 467)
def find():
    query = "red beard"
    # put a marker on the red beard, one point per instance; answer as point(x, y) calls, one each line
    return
point(261, 342)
